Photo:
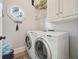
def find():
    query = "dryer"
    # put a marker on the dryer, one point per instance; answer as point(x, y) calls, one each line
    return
point(53, 45)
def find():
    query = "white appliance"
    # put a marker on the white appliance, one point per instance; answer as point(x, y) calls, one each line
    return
point(30, 42)
point(52, 45)
point(47, 45)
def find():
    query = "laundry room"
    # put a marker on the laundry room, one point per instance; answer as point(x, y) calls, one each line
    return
point(39, 29)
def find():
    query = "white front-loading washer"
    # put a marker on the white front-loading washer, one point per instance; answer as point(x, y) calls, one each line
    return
point(30, 42)
point(53, 45)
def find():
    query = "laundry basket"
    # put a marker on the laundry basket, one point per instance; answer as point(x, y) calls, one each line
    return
point(8, 56)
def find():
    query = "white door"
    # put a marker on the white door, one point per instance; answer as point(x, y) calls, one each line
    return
point(69, 7)
point(0, 30)
point(52, 9)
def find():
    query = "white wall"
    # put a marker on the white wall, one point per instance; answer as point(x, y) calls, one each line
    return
point(72, 28)
point(33, 21)
point(0, 26)
point(0, 0)
point(9, 27)
point(0, 18)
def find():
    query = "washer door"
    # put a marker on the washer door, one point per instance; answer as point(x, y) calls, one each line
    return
point(42, 49)
point(28, 42)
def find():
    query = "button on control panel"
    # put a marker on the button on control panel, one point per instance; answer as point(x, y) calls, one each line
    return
point(49, 35)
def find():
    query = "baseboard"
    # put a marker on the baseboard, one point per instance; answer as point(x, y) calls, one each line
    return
point(20, 49)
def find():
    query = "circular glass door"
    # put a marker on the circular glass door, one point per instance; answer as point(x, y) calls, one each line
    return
point(42, 49)
point(28, 42)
